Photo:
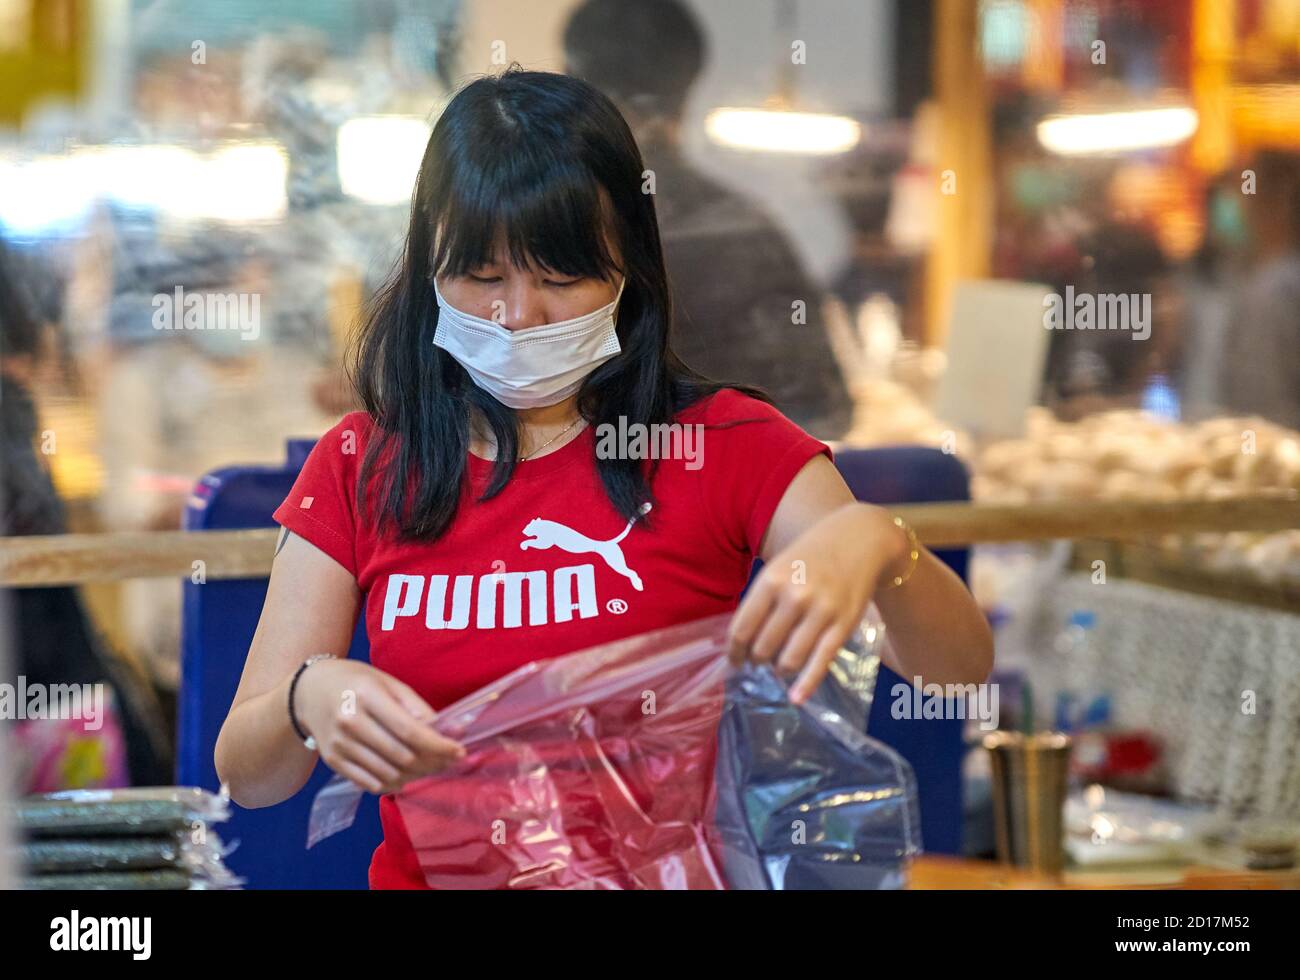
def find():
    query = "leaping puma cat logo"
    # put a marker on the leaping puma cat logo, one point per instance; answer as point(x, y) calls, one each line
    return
point(552, 534)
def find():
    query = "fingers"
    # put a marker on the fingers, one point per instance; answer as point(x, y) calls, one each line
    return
point(750, 616)
point(782, 617)
point(368, 754)
point(406, 696)
point(420, 736)
point(388, 740)
point(354, 773)
point(367, 759)
point(368, 731)
point(802, 639)
point(786, 625)
point(429, 751)
point(814, 672)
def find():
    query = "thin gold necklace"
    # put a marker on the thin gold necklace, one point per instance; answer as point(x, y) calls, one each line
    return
point(550, 440)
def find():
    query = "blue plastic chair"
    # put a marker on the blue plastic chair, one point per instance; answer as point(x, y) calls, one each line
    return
point(219, 618)
point(217, 624)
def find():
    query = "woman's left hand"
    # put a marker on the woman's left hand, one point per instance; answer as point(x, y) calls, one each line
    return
point(811, 595)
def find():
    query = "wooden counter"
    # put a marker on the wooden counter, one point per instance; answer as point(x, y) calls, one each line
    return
point(932, 872)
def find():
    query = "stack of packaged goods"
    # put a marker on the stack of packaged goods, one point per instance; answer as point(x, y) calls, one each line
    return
point(148, 838)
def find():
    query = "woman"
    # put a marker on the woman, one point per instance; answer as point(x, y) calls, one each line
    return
point(485, 508)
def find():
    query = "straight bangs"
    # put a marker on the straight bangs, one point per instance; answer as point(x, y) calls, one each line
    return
point(550, 210)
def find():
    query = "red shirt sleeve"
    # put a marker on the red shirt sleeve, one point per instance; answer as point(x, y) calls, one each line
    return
point(747, 467)
point(321, 507)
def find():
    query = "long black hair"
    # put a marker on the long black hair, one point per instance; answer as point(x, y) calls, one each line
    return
point(550, 160)
point(20, 328)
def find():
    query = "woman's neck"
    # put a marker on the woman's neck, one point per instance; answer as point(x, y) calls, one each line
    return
point(559, 414)
point(536, 425)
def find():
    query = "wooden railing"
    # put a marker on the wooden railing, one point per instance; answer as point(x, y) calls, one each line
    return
point(69, 559)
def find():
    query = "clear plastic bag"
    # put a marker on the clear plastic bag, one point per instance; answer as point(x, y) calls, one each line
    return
point(115, 812)
point(136, 837)
point(652, 763)
point(850, 683)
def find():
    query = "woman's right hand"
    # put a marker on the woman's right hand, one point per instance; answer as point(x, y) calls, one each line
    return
point(370, 727)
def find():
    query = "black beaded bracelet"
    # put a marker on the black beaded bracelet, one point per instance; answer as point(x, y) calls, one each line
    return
point(307, 740)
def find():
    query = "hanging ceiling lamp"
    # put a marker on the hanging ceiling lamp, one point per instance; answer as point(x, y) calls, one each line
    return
point(779, 126)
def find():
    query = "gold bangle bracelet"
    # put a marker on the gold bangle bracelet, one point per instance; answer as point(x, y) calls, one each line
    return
point(914, 551)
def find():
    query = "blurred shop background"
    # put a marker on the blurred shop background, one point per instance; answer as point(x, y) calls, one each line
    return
point(926, 173)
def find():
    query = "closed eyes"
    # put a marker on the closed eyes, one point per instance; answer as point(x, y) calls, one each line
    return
point(548, 282)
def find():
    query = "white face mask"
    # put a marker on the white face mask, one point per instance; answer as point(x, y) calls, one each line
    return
point(534, 366)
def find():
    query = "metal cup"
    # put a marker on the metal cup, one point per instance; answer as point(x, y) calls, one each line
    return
point(1029, 785)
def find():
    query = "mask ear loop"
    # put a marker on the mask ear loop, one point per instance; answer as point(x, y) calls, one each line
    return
point(614, 315)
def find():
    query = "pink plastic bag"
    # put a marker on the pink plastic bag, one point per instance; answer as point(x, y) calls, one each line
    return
point(601, 769)
point(588, 771)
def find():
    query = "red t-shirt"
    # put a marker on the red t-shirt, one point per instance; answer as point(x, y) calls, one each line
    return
point(548, 566)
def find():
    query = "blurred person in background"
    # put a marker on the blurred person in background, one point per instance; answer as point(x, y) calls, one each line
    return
point(1261, 374)
point(1095, 369)
point(1205, 285)
point(329, 252)
point(115, 742)
point(175, 404)
point(733, 274)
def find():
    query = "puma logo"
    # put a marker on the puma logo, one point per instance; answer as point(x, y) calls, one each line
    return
point(551, 534)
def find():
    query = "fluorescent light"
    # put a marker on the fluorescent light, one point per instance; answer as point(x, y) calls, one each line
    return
point(242, 182)
point(379, 157)
point(39, 196)
point(140, 176)
point(237, 183)
point(1117, 132)
point(778, 131)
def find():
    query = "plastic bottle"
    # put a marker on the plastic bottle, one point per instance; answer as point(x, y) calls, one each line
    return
point(1085, 714)
point(1071, 644)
